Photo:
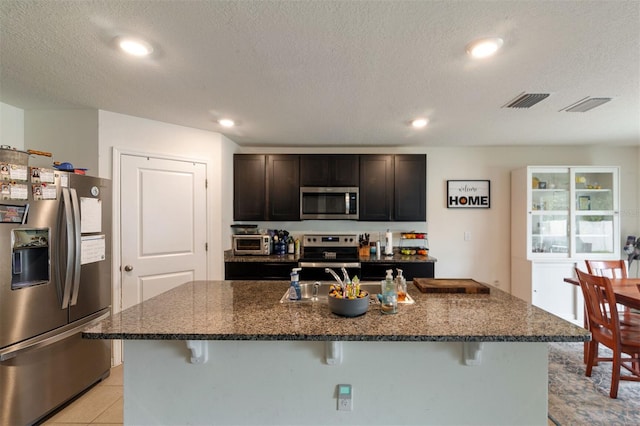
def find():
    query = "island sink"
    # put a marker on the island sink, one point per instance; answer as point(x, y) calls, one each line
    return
point(322, 293)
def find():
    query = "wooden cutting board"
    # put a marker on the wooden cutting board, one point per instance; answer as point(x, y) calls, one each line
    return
point(450, 285)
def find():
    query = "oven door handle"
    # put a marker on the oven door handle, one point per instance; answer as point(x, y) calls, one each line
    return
point(329, 264)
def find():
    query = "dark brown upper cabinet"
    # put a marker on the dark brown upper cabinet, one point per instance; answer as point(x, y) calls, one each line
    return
point(283, 185)
point(249, 187)
point(266, 187)
point(329, 170)
point(393, 187)
point(410, 187)
point(376, 187)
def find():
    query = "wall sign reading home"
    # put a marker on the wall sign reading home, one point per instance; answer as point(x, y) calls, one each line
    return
point(465, 194)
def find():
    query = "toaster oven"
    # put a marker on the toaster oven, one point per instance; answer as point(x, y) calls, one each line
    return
point(251, 244)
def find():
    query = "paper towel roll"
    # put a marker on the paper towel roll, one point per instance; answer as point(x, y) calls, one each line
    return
point(388, 243)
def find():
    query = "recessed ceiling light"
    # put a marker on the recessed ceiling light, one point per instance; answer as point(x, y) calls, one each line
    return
point(419, 123)
point(226, 122)
point(484, 47)
point(135, 47)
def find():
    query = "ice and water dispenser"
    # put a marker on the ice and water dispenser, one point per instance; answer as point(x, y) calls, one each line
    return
point(30, 257)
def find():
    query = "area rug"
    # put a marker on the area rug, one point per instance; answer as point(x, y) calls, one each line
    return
point(575, 399)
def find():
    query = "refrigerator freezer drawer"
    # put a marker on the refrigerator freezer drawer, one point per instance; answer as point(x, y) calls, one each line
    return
point(69, 366)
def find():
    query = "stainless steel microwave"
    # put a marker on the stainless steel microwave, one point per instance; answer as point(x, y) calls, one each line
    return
point(329, 202)
point(251, 244)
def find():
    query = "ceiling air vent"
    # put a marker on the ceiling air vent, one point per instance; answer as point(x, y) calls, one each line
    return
point(586, 104)
point(526, 100)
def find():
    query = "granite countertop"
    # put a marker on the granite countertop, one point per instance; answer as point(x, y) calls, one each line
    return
point(397, 257)
point(251, 310)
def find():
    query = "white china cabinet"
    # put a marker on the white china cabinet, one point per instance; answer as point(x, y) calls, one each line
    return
point(561, 216)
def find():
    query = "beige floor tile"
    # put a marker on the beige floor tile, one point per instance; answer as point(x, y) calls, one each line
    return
point(87, 408)
point(112, 415)
point(115, 377)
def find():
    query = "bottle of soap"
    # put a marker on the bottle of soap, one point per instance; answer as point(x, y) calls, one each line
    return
point(294, 287)
point(389, 302)
point(401, 285)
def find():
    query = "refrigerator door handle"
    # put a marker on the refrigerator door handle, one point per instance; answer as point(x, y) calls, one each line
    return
point(77, 246)
point(65, 279)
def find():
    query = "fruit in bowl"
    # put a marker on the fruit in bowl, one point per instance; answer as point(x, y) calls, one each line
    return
point(352, 302)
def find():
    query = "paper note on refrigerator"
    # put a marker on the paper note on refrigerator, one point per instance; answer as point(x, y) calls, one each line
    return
point(93, 249)
point(90, 215)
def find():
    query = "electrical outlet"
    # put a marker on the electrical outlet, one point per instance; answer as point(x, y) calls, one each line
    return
point(345, 404)
point(467, 235)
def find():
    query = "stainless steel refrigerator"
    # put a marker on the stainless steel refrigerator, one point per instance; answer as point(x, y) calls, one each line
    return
point(55, 279)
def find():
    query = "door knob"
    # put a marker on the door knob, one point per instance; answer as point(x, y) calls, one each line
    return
point(128, 268)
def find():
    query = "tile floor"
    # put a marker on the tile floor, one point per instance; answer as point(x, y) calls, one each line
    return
point(101, 405)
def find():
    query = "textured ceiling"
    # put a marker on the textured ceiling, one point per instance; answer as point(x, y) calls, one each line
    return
point(324, 73)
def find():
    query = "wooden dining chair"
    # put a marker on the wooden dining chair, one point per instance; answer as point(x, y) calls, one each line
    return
point(605, 328)
point(607, 268)
point(613, 269)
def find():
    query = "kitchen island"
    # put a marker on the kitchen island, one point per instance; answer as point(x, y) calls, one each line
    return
point(228, 352)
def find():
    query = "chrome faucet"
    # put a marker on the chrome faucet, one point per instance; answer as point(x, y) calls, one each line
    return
point(345, 276)
point(332, 272)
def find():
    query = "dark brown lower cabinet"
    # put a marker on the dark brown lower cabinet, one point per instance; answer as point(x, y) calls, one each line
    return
point(258, 271)
point(410, 270)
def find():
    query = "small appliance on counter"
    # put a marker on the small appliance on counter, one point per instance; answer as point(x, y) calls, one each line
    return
point(251, 244)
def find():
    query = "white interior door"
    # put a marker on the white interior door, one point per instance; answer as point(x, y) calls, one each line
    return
point(163, 225)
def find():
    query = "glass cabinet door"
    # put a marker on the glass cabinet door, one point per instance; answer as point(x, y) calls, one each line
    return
point(549, 208)
point(595, 207)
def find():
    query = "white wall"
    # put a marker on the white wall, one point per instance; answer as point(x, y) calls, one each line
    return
point(486, 257)
point(11, 126)
point(142, 135)
point(71, 135)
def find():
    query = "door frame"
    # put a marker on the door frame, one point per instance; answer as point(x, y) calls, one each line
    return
point(116, 292)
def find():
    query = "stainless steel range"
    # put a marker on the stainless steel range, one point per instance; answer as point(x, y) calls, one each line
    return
point(334, 251)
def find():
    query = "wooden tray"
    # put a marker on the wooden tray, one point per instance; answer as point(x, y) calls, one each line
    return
point(450, 285)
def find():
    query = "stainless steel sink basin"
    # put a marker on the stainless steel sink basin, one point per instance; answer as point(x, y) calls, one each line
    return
point(307, 293)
